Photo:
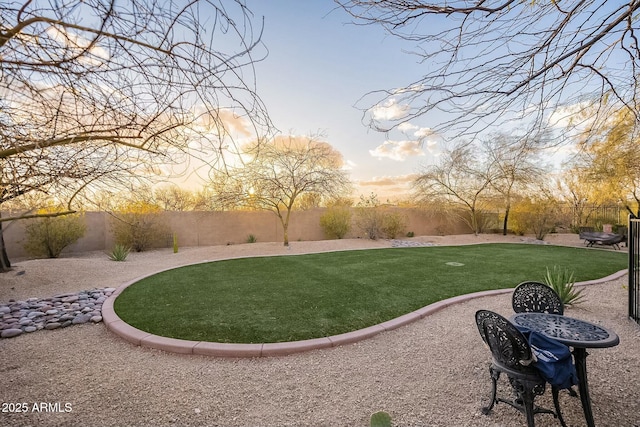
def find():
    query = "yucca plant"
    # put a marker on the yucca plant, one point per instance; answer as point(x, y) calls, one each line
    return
point(119, 253)
point(251, 239)
point(562, 281)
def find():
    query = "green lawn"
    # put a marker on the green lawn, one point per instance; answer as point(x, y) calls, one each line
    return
point(285, 298)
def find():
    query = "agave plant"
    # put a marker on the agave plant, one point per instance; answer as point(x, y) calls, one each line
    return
point(119, 253)
point(562, 281)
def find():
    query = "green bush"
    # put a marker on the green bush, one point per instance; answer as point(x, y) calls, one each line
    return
point(537, 216)
point(336, 222)
point(138, 226)
point(393, 224)
point(562, 281)
point(251, 238)
point(119, 253)
point(49, 236)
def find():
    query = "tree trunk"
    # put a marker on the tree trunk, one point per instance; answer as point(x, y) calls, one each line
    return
point(5, 264)
point(285, 227)
point(506, 221)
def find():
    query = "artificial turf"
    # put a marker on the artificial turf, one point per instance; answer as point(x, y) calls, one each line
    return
point(286, 298)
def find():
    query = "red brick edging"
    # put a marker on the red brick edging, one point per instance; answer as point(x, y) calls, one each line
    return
point(146, 339)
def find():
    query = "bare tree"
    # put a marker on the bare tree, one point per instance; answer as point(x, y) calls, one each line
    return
point(100, 92)
point(515, 164)
point(174, 198)
point(459, 183)
point(277, 174)
point(490, 63)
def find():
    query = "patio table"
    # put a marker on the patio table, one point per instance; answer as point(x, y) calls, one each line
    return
point(575, 333)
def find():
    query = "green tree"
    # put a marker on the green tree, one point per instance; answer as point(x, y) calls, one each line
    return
point(610, 155)
point(537, 215)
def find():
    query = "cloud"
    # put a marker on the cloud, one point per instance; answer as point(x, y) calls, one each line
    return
point(433, 147)
point(389, 181)
point(389, 110)
point(398, 150)
point(407, 127)
point(349, 165)
point(388, 187)
point(78, 43)
point(424, 132)
point(421, 134)
point(572, 115)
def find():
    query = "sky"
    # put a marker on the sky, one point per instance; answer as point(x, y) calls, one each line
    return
point(318, 67)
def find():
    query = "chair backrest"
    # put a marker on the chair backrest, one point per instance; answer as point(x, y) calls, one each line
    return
point(536, 297)
point(507, 344)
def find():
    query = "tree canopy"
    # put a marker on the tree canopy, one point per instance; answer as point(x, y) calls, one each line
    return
point(499, 62)
point(278, 174)
point(105, 91)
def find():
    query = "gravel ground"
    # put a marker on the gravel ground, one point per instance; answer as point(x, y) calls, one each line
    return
point(433, 372)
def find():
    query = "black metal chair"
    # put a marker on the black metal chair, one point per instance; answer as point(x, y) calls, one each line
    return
point(536, 297)
point(512, 355)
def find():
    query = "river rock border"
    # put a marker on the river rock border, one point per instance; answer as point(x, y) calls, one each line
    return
point(59, 311)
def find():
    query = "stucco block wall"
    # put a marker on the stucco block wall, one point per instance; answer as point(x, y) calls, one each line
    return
point(222, 228)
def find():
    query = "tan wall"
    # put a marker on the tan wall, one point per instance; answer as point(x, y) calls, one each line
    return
point(221, 228)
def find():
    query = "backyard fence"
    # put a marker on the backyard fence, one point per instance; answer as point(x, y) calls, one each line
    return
point(634, 268)
point(592, 215)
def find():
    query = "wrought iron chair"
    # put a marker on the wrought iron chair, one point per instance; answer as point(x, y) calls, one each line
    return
point(536, 297)
point(512, 355)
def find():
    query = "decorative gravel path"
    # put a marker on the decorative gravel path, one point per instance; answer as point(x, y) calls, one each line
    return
point(432, 372)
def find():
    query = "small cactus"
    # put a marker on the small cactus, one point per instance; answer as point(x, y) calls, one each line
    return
point(175, 243)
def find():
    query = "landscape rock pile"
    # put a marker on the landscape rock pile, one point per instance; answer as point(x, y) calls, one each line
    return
point(409, 244)
point(59, 311)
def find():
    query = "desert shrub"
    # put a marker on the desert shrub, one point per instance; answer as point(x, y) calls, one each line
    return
point(251, 238)
point(138, 225)
point(393, 224)
point(119, 253)
point(369, 216)
point(49, 236)
point(336, 221)
point(537, 216)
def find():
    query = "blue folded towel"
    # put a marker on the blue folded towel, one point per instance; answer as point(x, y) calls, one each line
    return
point(553, 359)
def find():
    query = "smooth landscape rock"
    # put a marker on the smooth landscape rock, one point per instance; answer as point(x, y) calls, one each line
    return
point(10, 333)
point(51, 313)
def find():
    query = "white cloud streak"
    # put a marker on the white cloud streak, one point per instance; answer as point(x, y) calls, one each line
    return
point(398, 150)
point(389, 110)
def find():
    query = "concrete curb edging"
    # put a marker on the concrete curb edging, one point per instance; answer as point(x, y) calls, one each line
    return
point(146, 339)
